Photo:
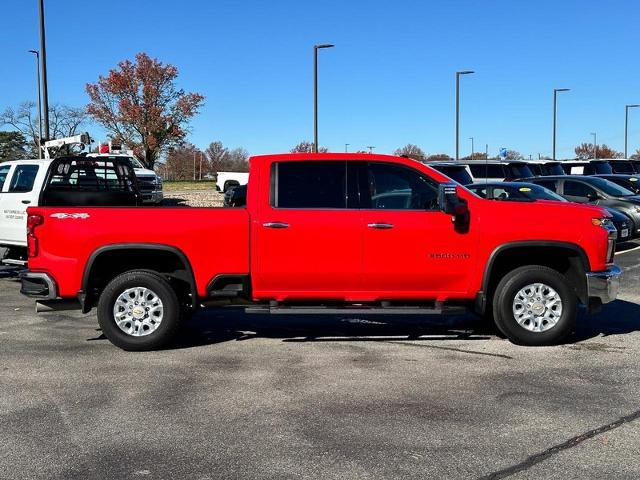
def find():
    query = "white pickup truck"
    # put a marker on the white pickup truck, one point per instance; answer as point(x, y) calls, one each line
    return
point(227, 180)
point(21, 186)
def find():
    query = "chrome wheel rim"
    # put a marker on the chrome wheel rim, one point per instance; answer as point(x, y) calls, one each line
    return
point(537, 307)
point(138, 311)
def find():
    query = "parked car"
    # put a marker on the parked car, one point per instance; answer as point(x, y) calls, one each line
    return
point(455, 171)
point(541, 168)
point(586, 167)
point(497, 170)
point(630, 182)
point(226, 180)
point(66, 181)
point(311, 240)
point(595, 191)
point(528, 192)
point(236, 196)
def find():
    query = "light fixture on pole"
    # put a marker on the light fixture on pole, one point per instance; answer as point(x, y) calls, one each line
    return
point(464, 72)
point(370, 147)
point(315, 92)
point(346, 147)
point(37, 54)
point(626, 126)
point(555, 110)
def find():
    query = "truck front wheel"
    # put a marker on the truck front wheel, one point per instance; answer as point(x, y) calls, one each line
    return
point(535, 305)
point(139, 311)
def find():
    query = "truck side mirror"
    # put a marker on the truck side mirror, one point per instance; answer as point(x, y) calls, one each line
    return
point(448, 197)
point(451, 204)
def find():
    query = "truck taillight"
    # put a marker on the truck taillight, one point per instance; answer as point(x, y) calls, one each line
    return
point(33, 221)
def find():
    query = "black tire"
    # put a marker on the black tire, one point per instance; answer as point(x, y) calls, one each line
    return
point(171, 315)
point(506, 292)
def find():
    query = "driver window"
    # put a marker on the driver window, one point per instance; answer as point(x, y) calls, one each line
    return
point(394, 187)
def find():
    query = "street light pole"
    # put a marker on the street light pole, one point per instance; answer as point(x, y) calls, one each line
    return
point(315, 93)
point(37, 54)
point(43, 69)
point(555, 111)
point(626, 125)
point(465, 72)
point(595, 145)
point(346, 147)
point(370, 147)
point(472, 149)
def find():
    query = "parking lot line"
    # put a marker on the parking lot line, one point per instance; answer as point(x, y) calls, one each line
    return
point(627, 251)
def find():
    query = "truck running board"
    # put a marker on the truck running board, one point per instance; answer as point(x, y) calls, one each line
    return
point(438, 309)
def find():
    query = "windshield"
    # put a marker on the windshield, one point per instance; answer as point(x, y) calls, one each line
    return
point(540, 193)
point(134, 162)
point(519, 170)
point(620, 166)
point(610, 188)
point(601, 167)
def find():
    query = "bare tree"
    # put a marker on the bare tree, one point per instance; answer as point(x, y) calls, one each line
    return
point(64, 121)
point(307, 147)
point(411, 151)
point(584, 151)
point(439, 157)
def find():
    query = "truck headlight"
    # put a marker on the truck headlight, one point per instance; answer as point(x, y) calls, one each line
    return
point(608, 225)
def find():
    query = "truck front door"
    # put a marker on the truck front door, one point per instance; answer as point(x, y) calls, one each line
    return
point(17, 195)
point(306, 238)
point(411, 248)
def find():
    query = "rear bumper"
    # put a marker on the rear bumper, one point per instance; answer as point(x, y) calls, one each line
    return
point(604, 285)
point(38, 285)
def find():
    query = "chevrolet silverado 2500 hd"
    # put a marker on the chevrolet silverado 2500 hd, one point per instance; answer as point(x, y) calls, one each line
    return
point(325, 233)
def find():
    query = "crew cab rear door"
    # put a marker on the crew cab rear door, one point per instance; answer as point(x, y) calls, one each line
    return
point(306, 242)
point(20, 190)
point(411, 248)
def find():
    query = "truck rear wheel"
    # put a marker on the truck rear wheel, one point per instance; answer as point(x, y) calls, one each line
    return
point(139, 311)
point(535, 305)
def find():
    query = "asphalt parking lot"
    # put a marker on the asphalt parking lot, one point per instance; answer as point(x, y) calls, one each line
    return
point(247, 396)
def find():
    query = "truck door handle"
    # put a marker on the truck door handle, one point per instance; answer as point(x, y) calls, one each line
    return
point(275, 225)
point(380, 226)
point(26, 202)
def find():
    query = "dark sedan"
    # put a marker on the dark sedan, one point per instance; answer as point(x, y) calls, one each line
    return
point(522, 191)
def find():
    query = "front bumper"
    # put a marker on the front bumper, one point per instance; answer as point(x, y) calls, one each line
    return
point(38, 285)
point(604, 285)
point(152, 197)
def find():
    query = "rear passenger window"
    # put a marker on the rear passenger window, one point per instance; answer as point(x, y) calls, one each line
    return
point(4, 171)
point(24, 176)
point(308, 184)
point(394, 187)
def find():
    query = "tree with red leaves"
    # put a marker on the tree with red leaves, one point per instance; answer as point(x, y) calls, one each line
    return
point(139, 105)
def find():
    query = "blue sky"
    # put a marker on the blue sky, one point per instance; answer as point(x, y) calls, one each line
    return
point(389, 81)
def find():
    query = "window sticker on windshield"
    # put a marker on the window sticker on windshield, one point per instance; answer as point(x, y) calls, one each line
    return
point(524, 189)
point(577, 170)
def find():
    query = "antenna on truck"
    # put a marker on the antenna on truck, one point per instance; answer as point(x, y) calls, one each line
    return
point(63, 145)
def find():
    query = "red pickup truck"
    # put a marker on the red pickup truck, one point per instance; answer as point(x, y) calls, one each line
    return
point(326, 233)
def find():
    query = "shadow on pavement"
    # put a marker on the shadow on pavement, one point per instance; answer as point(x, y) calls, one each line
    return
point(617, 318)
point(222, 325)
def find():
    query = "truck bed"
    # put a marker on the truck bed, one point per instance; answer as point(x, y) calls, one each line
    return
point(214, 240)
